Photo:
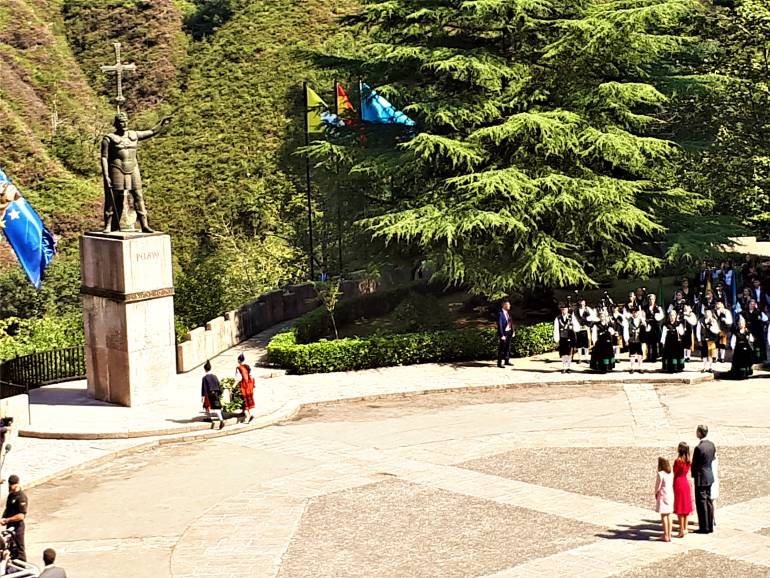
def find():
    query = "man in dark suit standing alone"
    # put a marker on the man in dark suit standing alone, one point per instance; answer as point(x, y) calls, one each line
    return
point(703, 476)
point(505, 333)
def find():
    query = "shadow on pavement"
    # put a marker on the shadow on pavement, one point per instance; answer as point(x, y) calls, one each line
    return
point(52, 395)
point(648, 530)
point(198, 419)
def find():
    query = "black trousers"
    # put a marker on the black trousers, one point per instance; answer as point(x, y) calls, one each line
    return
point(21, 550)
point(504, 348)
point(705, 508)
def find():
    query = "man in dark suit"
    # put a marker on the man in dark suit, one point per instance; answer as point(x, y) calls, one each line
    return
point(51, 571)
point(504, 333)
point(759, 294)
point(703, 476)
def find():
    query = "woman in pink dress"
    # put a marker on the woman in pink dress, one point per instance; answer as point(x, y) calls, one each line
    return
point(664, 496)
point(682, 490)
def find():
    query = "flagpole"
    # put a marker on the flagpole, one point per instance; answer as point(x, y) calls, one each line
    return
point(309, 195)
point(337, 186)
point(363, 196)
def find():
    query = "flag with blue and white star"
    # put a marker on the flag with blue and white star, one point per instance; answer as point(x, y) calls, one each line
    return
point(32, 242)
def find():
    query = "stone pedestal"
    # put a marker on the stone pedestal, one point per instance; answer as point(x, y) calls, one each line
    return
point(128, 312)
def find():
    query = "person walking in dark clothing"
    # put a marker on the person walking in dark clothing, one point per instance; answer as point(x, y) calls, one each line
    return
point(14, 514)
point(211, 389)
point(504, 333)
point(703, 477)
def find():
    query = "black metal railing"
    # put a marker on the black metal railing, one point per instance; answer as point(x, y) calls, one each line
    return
point(11, 389)
point(43, 368)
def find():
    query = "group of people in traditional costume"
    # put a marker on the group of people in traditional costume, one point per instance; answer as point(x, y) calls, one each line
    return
point(706, 323)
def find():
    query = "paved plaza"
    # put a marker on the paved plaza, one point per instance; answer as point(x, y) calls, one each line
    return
point(533, 480)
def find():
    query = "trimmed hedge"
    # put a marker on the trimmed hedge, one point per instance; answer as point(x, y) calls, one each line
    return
point(401, 349)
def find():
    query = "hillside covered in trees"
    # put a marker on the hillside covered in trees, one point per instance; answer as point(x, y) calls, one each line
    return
point(223, 182)
point(570, 141)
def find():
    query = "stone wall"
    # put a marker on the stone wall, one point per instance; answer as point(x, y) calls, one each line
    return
point(224, 332)
point(17, 407)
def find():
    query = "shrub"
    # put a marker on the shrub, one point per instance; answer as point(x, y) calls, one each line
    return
point(236, 399)
point(533, 340)
point(317, 324)
point(401, 349)
point(420, 312)
point(24, 336)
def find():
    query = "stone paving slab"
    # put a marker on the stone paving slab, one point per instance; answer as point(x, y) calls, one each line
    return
point(396, 528)
point(100, 421)
point(697, 564)
point(271, 519)
point(65, 411)
point(737, 544)
point(38, 461)
point(645, 408)
point(176, 419)
point(582, 508)
point(274, 388)
point(595, 560)
point(626, 474)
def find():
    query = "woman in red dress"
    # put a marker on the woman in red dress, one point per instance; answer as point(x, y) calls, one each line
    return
point(247, 389)
point(682, 490)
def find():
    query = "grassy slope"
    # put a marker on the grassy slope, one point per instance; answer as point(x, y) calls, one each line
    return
point(151, 36)
point(42, 85)
point(239, 118)
point(237, 121)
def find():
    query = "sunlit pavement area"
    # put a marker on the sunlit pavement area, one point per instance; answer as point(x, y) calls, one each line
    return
point(530, 481)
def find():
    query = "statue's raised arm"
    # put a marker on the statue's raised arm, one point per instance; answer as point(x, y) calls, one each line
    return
point(159, 128)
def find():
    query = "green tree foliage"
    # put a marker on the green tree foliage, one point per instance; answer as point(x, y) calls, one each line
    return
point(733, 113)
point(40, 319)
point(59, 295)
point(239, 269)
point(150, 33)
point(540, 156)
point(207, 16)
point(49, 116)
point(23, 336)
point(223, 181)
point(329, 293)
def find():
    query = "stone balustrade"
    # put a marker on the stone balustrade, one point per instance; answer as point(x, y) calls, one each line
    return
point(224, 332)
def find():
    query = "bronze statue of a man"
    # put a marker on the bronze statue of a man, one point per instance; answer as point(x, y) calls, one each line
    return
point(120, 169)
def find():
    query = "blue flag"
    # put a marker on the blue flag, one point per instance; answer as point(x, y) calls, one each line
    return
point(33, 244)
point(376, 109)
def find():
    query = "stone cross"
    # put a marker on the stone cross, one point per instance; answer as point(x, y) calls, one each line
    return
point(118, 68)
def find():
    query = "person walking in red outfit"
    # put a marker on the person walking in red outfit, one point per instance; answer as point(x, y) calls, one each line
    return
point(243, 376)
point(682, 490)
